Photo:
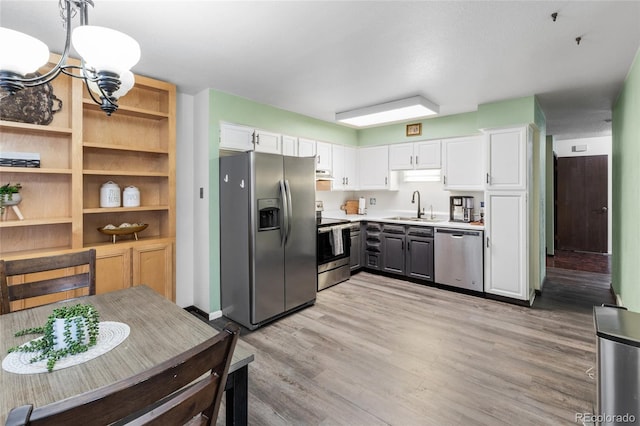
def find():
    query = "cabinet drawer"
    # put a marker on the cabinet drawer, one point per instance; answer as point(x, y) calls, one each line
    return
point(373, 246)
point(373, 227)
point(393, 229)
point(420, 231)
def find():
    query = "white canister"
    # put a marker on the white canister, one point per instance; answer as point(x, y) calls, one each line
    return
point(131, 197)
point(110, 195)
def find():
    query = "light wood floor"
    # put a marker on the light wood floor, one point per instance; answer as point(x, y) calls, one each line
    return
point(375, 351)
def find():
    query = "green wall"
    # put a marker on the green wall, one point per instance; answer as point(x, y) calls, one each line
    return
point(233, 109)
point(626, 191)
point(496, 114)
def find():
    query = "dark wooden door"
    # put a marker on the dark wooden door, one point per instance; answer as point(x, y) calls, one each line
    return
point(581, 200)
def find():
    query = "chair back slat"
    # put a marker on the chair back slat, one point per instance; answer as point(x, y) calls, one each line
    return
point(157, 395)
point(50, 263)
point(31, 285)
point(51, 286)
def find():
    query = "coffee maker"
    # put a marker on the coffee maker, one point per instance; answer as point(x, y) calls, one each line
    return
point(461, 208)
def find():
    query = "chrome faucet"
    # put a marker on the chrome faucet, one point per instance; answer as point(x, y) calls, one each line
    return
point(413, 200)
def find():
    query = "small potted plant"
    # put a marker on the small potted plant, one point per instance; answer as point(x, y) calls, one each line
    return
point(69, 330)
point(10, 194)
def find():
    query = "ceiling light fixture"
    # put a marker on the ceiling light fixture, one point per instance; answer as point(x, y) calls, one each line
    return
point(389, 112)
point(106, 58)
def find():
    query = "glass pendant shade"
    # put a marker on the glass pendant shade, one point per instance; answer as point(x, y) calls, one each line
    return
point(106, 49)
point(21, 53)
point(127, 81)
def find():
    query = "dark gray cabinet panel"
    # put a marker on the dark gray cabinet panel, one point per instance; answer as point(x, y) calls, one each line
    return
point(393, 253)
point(399, 249)
point(355, 260)
point(372, 245)
point(420, 257)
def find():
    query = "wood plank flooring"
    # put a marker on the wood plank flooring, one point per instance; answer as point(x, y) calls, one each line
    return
point(379, 351)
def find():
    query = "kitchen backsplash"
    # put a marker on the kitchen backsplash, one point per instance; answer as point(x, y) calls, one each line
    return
point(431, 194)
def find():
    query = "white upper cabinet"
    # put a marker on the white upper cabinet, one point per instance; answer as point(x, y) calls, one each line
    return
point(373, 168)
point(267, 142)
point(306, 147)
point(289, 145)
point(463, 163)
point(323, 156)
point(235, 137)
point(507, 159)
point(427, 155)
point(415, 155)
point(345, 176)
point(244, 138)
point(401, 156)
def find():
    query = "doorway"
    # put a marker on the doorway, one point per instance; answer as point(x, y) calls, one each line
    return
point(581, 199)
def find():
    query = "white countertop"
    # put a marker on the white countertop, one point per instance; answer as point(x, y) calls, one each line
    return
point(384, 215)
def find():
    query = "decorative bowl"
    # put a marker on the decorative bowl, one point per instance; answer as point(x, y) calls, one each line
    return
point(126, 230)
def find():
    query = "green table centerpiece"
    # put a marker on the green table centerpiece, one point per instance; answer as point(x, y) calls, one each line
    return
point(69, 330)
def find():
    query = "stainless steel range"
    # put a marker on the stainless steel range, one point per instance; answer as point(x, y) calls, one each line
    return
point(334, 251)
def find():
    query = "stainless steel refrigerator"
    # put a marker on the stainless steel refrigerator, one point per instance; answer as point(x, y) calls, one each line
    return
point(268, 263)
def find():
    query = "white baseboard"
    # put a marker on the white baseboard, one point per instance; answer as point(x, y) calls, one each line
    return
point(214, 315)
point(617, 296)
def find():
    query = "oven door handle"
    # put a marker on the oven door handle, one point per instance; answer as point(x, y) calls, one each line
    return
point(287, 187)
point(285, 215)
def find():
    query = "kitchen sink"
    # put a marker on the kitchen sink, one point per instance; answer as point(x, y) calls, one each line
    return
point(414, 219)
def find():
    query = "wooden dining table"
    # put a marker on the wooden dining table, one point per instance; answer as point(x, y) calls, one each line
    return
point(159, 330)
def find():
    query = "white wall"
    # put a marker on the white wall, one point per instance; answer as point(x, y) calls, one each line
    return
point(431, 194)
point(200, 166)
point(594, 146)
point(184, 200)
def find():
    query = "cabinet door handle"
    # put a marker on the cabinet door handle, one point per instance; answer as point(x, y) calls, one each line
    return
point(411, 160)
point(258, 139)
point(318, 158)
point(347, 178)
point(409, 246)
point(444, 178)
point(488, 179)
point(385, 180)
point(487, 242)
point(417, 162)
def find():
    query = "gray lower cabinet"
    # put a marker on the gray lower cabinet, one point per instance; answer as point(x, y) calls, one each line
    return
point(355, 261)
point(393, 253)
point(393, 247)
point(420, 257)
point(399, 249)
point(372, 245)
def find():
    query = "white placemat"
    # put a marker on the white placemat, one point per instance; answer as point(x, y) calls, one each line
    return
point(110, 335)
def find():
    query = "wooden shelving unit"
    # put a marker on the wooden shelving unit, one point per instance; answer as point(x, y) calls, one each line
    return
point(79, 151)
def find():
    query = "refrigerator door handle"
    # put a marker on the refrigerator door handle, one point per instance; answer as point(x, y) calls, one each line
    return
point(285, 214)
point(289, 209)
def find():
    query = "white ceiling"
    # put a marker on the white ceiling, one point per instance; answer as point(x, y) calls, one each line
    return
point(319, 58)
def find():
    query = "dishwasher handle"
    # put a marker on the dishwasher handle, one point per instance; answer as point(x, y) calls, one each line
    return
point(458, 232)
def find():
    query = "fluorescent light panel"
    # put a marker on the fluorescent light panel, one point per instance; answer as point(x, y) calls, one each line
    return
point(400, 110)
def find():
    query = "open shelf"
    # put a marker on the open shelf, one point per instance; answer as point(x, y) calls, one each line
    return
point(34, 128)
point(80, 150)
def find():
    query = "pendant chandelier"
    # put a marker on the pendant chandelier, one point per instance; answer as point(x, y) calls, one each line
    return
point(106, 58)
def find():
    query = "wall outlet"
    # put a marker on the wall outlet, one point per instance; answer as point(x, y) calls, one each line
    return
point(372, 201)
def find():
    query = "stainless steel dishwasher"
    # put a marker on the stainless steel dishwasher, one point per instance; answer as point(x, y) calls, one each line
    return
point(459, 258)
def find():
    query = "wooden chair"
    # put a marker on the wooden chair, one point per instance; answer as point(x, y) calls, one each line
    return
point(41, 287)
point(159, 395)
